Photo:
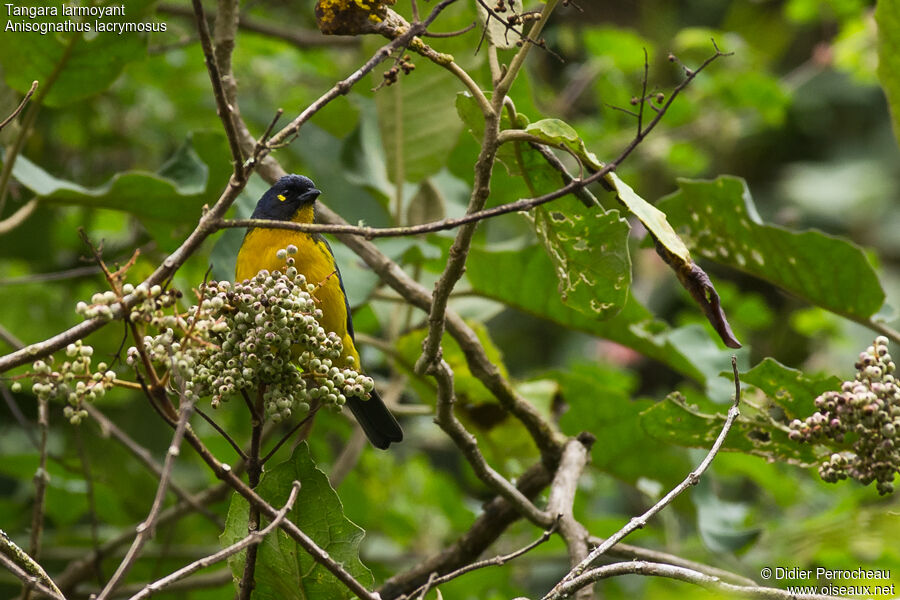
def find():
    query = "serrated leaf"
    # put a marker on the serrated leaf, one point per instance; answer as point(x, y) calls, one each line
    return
point(74, 65)
point(175, 193)
point(284, 571)
point(887, 16)
point(589, 250)
point(684, 421)
point(718, 220)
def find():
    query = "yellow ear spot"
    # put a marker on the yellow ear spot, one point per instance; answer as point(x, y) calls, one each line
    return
point(282, 197)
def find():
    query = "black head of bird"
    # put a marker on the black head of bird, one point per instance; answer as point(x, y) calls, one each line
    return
point(282, 201)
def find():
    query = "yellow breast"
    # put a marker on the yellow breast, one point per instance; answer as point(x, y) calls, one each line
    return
point(314, 260)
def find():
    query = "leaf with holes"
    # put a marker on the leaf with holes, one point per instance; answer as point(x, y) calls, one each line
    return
point(719, 221)
point(688, 419)
point(589, 250)
point(520, 278)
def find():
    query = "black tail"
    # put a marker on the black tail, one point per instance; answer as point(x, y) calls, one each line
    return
point(376, 420)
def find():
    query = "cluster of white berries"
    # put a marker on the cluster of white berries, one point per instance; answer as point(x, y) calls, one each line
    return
point(73, 381)
point(259, 334)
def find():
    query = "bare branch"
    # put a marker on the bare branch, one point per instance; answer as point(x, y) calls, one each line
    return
point(108, 427)
point(497, 516)
point(223, 106)
point(467, 443)
point(495, 561)
point(302, 38)
point(575, 457)
point(650, 569)
point(639, 522)
point(78, 570)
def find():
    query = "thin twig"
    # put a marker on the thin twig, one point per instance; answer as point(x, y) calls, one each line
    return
point(41, 478)
point(496, 517)
point(343, 86)
point(495, 561)
point(223, 433)
point(290, 433)
point(91, 499)
point(252, 539)
point(107, 426)
point(80, 569)
point(15, 113)
point(639, 522)
point(147, 528)
point(302, 38)
point(254, 470)
point(30, 582)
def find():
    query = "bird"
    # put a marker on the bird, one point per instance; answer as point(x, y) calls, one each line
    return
point(293, 198)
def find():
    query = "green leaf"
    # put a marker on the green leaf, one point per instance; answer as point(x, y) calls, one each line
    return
point(520, 279)
point(559, 133)
point(693, 421)
point(599, 401)
point(790, 389)
point(284, 571)
point(887, 16)
point(653, 218)
point(719, 221)
point(589, 250)
point(721, 523)
point(72, 65)
point(176, 193)
point(417, 120)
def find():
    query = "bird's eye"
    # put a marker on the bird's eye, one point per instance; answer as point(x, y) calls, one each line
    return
point(282, 197)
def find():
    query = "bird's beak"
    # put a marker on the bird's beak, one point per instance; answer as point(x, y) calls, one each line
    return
point(310, 196)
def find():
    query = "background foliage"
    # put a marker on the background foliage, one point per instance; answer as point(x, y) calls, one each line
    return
point(778, 168)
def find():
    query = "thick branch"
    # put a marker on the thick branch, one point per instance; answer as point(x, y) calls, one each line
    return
point(468, 445)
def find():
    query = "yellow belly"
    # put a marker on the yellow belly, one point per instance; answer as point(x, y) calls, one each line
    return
point(314, 260)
